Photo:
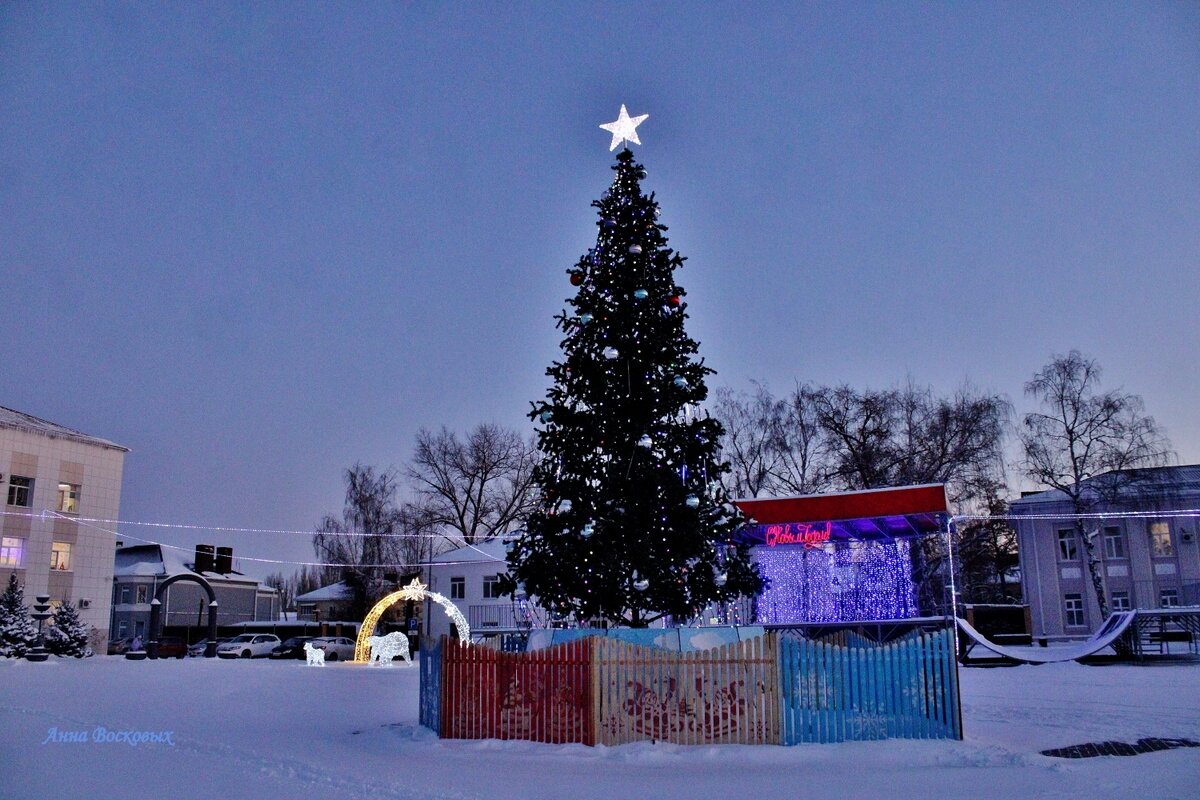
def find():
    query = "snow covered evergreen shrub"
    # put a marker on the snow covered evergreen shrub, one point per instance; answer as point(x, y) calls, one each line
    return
point(17, 631)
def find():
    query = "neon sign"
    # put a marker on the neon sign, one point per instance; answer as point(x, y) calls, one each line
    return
point(804, 533)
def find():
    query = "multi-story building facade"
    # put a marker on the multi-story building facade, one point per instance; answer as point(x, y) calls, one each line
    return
point(1147, 553)
point(139, 571)
point(53, 481)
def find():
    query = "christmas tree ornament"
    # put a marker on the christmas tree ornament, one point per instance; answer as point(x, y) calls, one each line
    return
point(645, 441)
point(624, 128)
point(635, 249)
point(610, 353)
point(692, 501)
point(641, 294)
point(564, 506)
point(546, 415)
point(680, 382)
point(641, 584)
point(675, 300)
point(576, 278)
point(587, 530)
point(609, 222)
point(585, 318)
point(719, 579)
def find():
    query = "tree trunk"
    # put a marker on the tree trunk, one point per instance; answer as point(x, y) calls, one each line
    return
point(1089, 547)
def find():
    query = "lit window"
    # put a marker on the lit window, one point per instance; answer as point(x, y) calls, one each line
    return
point(68, 498)
point(20, 491)
point(60, 556)
point(458, 588)
point(1114, 543)
point(1168, 598)
point(1074, 605)
point(1067, 550)
point(12, 552)
point(1160, 539)
point(142, 592)
point(1120, 601)
point(491, 586)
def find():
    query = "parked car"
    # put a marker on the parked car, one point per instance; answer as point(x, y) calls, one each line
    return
point(172, 647)
point(336, 647)
point(291, 648)
point(197, 649)
point(248, 645)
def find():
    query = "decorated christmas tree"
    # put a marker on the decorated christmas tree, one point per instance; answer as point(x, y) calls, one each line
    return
point(17, 631)
point(68, 636)
point(634, 523)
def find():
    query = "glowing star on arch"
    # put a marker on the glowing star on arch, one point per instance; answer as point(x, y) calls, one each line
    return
point(416, 592)
point(624, 128)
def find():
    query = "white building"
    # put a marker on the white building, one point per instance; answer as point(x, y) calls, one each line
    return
point(51, 476)
point(469, 577)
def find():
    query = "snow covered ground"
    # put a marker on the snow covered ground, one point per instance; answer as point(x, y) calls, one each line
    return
point(281, 729)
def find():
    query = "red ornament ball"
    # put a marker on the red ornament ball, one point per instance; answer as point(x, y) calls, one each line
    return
point(576, 278)
point(675, 300)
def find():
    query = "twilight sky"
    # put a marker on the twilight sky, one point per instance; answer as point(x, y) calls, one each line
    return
point(256, 243)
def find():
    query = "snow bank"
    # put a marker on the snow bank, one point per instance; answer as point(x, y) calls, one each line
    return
point(268, 729)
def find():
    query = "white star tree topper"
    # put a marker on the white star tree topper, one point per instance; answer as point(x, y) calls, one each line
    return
point(624, 129)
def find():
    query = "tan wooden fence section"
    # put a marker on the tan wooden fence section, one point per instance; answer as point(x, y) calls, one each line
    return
point(726, 695)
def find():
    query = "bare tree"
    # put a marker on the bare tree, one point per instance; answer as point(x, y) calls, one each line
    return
point(899, 437)
point(799, 442)
point(285, 586)
point(751, 442)
point(1080, 434)
point(473, 489)
point(369, 538)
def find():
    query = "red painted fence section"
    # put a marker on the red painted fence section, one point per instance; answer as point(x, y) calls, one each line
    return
point(544, 696)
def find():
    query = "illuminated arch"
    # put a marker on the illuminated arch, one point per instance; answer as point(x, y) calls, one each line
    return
point(415, 591)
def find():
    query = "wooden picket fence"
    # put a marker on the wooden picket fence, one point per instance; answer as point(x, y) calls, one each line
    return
point(907, 689)
point(771, 689)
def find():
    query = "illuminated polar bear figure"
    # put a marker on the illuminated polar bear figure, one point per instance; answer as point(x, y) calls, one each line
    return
point(386, 648)
point(316, 657)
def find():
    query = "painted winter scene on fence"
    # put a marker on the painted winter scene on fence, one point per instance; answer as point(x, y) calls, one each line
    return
point(253, 729)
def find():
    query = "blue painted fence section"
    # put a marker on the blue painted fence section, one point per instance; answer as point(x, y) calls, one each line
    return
point(905, 689)
point(431, 685)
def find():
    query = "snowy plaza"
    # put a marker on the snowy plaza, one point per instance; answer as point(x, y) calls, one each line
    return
point(252, 729)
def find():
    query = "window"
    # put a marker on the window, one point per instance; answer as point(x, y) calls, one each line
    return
point(12, 551)
point(139, 628)
point(491, 586)
point(60, 555)
point(1114, 543)
point(1074, 604)
point(142, 592)
point(1067, 550)
point(458, 588)
point(1120, 601)
point(1168, 598)
point(1160, 539)
point(20, 491)
point(122, 629)
point(124, 594)
point(68, 498)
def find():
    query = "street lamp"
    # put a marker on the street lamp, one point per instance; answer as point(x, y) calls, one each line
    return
point(41, 612)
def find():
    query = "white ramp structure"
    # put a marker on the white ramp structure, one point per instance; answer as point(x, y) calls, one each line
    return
point(1109, 632)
